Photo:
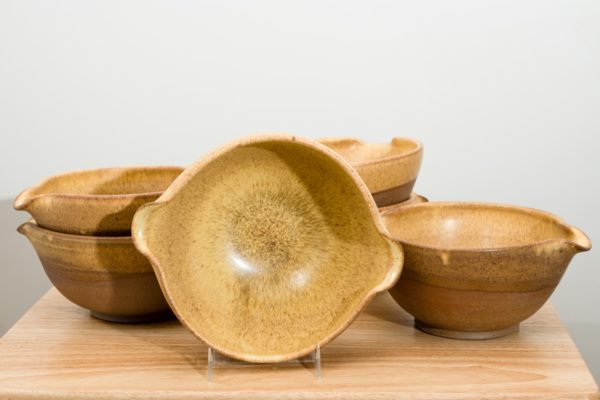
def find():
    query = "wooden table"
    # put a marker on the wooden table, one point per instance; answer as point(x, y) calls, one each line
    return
point(57, 351)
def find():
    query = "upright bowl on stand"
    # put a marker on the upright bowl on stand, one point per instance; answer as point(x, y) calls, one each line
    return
point(476, 270)
point(268, 248)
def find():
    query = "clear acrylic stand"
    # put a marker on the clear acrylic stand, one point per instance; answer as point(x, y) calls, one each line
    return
point(215, 358)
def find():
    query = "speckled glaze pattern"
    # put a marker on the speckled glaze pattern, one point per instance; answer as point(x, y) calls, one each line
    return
point(413, 199)
point(268, 247)
point(475, 270)
point(106, 275)
point(98, 202)
point(389, 170)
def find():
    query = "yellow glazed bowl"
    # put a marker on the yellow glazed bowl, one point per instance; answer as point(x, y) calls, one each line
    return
point(476, 270)
point(106, 275)
point(388, 169)
point(94, 202)
point(268, 247)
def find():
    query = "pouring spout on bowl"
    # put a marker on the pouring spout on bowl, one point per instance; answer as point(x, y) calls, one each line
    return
point(24, 199)
point(579, 240)
point(24, 229)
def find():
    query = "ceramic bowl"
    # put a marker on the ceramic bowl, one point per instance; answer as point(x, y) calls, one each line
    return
point(268, 247)
point(475, 270)
point(106, 275)
point(413, 199)
point(389, 170)
point(94, 202)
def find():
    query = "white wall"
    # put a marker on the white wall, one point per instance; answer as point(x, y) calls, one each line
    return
point(505, 95)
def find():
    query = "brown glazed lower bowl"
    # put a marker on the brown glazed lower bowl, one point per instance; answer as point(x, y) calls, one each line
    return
point(106, 275)
point(475, 270)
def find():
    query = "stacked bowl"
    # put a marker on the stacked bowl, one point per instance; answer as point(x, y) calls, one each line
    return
point(389, 170)
point(81, 231)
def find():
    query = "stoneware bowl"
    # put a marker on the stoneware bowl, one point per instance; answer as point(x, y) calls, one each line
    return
point(94, 202)
point(475, 270)
point(268, 247)
point(106, 275)
point(389, 170)
point(413, 199)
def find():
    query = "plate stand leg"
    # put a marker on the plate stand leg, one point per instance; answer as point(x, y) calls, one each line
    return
point(214, 358)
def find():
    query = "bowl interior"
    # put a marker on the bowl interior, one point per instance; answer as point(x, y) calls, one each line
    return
point(268, 249)
point(356, 152)
point(472, 226)
point(110, 181)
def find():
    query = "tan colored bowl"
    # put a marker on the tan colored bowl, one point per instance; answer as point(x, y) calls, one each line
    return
point(106, 275)
point(94, 202)
point(268, 247)
point(475, 270)
point(389, 170)
point(413, 199)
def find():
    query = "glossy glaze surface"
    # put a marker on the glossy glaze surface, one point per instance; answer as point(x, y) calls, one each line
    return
point(106, 275)
point(95, 202)
point(476, 270)
point(389, 170)
point(268, 247)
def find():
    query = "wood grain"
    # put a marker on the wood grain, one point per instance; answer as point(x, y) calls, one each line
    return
point(57, 351)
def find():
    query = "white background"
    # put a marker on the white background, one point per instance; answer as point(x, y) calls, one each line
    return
point(504, 95)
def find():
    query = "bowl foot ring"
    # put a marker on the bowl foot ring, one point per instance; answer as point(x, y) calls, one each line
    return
point(133, 319)
point(464, 335)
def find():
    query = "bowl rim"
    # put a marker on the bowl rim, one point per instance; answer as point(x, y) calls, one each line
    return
point(417, 149)
point(189, 172)
point(23, 200)
point(396, 253)
point(413, 196)
point(580, 240)
point(32, 225)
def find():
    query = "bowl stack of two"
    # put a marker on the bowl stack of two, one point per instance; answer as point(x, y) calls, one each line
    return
point(471, 270)
point(81, 231)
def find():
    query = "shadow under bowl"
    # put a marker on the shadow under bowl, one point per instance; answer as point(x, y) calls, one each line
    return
point(98, 202)
point(476, 270)
point(388, 169)
point(106, 275)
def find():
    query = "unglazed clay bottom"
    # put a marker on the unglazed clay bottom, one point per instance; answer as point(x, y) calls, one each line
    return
point(465, 335)
point(137, 319)
point(267, 249)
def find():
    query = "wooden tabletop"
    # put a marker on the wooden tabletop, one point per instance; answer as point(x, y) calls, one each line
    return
point(57, 351)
